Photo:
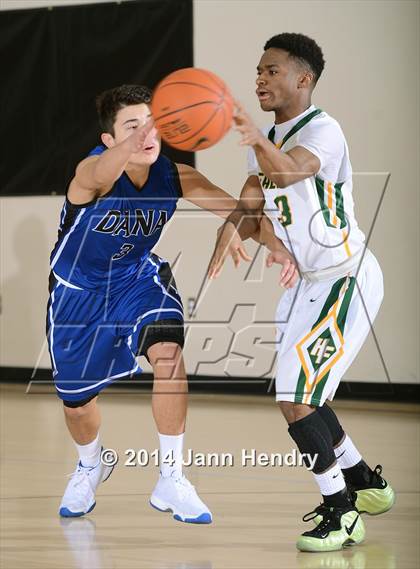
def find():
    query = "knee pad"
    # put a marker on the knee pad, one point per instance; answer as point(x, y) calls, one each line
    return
point(313, 437)
point(170, 330)
point(332, 422)
point(81, 403)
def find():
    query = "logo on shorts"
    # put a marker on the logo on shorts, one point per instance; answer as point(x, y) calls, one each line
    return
point(321, 348)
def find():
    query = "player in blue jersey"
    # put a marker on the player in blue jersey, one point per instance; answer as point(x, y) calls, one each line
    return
point(112, 299)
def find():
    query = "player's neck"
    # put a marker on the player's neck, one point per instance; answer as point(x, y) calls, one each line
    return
point(138, 175)
point(289, 112)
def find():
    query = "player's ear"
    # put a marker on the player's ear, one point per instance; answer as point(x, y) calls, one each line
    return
point(107, 139)
point(305, 80)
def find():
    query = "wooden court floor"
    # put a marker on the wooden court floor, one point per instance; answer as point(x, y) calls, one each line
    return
point(257, 509)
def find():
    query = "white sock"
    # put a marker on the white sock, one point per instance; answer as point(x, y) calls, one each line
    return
point(171, 448)
point(331, 481)
point(90, 454)
point(347, 454)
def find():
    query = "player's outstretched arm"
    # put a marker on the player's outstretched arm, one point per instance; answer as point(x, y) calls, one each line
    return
point(97, 174)
point(198, 190)
point(248, 220)
point(241, 224)
point(283, 168)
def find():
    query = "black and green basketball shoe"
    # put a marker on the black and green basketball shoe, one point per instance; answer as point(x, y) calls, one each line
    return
point(338, 528)
point(374, 497)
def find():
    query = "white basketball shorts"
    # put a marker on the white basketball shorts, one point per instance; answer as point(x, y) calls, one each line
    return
point(321, 327)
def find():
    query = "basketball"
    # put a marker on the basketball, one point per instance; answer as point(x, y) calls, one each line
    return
point(192, 109)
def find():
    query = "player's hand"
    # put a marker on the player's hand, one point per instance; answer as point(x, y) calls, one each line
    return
point(228, 243)
point(289, 275)
point(135, 142)
point(251, 134)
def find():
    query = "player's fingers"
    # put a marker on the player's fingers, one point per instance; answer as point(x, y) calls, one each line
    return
point(285, 268)
point(238, 108)
point(236, 259)
point(287, 272)
point(144, 130)
point(215, 270)
point(240, 128)
point(215, 264)
point(288, 276)
point(242, 252)
point(210, 270)
point(269, 261)
point(246, 141)
point(293, 280)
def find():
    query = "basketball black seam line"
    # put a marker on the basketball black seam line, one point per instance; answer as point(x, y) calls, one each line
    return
point(223, 123)
point(203, 127)
point(187, 83)
point(198, 131)
point(221, 86)
point(224, 114)
point(160, 117)
point(211, 78)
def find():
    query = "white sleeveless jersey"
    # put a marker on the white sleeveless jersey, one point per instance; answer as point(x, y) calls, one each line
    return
point(314, 217)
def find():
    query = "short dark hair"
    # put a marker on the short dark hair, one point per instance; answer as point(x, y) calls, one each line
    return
point(302, 48)
point(111, 101)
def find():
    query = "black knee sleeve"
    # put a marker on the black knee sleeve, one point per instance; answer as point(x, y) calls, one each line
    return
point(81, 403)
point(313, 437)
point(170, 330)
point(332, 422)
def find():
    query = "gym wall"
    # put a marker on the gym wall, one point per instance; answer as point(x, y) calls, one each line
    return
point(369, 85)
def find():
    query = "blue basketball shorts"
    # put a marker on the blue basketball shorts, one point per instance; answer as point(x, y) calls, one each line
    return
point(94, 340)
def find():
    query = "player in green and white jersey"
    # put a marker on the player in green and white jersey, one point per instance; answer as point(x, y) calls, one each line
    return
point(300, 180)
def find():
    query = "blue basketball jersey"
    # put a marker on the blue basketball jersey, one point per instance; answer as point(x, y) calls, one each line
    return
point(102, 244)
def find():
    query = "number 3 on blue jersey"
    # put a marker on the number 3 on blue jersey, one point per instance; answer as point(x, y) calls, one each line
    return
point(126, 248)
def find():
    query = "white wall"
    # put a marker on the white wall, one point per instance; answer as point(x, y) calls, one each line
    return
point(370, 85)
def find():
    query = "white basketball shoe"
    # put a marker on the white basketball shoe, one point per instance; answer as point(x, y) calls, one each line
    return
point(79, 496)
point(178, 495)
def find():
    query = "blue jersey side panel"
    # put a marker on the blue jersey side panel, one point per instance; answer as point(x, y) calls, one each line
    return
point(101, 245)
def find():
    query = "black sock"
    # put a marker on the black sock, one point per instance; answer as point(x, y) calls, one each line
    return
point(338, 500)
point(358, 475)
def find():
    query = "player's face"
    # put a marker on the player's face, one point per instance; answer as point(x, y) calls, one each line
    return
point(277, 79)
point(127, 120)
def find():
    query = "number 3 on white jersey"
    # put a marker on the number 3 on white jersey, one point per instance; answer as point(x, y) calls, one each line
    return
point(285, 212)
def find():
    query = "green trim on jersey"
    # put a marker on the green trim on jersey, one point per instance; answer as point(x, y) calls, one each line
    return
point(339, 203)
point(325, 335)
point(303, 121)
point(265, 182)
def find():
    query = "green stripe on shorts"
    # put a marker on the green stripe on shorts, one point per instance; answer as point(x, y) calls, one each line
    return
point(341, 318)
point(341, 321)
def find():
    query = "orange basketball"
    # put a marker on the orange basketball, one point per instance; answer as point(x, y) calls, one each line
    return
point(192, 109)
